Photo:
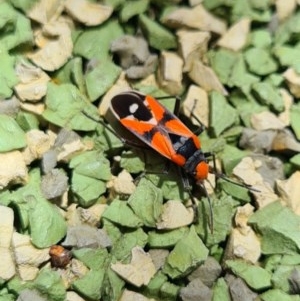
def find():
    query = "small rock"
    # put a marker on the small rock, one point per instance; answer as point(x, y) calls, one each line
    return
point(206, 78)
point(74, 270)
point(288, 102)
point(84, 236)
point(244, 244)
point(285, 8)
point(246, 170)
point(37, 144)
point(285, 142)
point(51, 9)
point(239, 291)
point(7, 267)
point(133, 296)
point(73, 217)
point(131, 50)
point(266, 121)
point(293, 81)
point(192, 45)
point(270, 168)
point(197, 17)
point(54, 183)
point(137, 72)
point(30, 294)
point(33, 81)
point(170, 72)
point(92, 215)
point(28, 258)
point(12, 169)
point(196, 104)
point(123, 184)
point(10, 106)
point(55, 45)
point(289, 191)
point(49, 160)
point(139, 271)
point(208, 272)
point(294, 281)
point(88, 13)
point(135, 57)
point(257, 141)
point(35, 108)
point(67, 144)
point(175, 215)
point(158, 257)
point(236, 36)
point(195, 291)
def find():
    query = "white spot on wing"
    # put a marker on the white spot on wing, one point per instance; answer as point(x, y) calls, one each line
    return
point(133, 108)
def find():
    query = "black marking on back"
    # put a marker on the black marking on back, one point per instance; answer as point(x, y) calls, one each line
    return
point(183, 146)
point(122, 103)
point(193, 161)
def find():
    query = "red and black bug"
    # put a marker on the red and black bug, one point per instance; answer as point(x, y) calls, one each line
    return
point(161, 130)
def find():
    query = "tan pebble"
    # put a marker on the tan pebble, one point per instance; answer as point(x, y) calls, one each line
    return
point(246, 170)
point(293, 81)
point(88, 13)
point(7, 266)
point(36, 108)
point(92, 215)
point(175, 215)
point(170, 72)
point(285, 8)
point(12, 168)
point(139, 271)
point(236, 37)
point(196, 104)
point(197, 17)
point(193, 45)
point(288, 102)
point(28, 258)
point(242, 215)
point(133, 296)
point(244, 245)
point(33, 81)
point(69, 149)
point(55, 45)
point(206, 78)
point(266, 121)
point(285, 141)
point(37, 144)
point(45, 10)
point(123, 183)
point(6, 226)
point(289, 191)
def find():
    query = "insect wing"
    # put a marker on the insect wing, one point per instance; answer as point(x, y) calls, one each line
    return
point(152, 123)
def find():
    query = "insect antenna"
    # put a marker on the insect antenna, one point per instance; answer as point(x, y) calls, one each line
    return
point(225, 178)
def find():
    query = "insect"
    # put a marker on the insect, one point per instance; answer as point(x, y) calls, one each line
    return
point(163, 131)
point(60, 257)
